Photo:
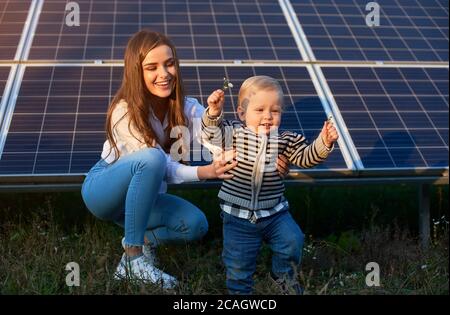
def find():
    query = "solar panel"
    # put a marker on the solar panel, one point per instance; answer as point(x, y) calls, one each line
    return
point(13, 14)
point(201, 30)
point(409, 30)
point(397, 117)
point(58, 121)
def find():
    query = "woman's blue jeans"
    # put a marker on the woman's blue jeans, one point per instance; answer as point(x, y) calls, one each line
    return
point(127, 192)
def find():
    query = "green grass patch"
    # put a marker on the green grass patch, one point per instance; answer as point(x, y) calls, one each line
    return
point(346, 228)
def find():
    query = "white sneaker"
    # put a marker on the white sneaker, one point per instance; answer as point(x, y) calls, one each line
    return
point(141, 269)
point(148, 251)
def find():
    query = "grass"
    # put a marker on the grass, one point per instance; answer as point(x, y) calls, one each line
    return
point(346, 228)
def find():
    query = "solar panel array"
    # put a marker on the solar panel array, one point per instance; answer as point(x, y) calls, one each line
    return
point(393, 117)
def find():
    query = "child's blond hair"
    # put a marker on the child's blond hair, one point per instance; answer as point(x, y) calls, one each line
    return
point(258, 83)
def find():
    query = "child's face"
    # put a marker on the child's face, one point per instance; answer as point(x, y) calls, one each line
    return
point(263, 113)
point(159, 71)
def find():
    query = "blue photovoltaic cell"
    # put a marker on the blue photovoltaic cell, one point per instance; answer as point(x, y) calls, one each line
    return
point(397, 117)
point(409, 30)
point(58, 121)
point(201, 30)
point(4, 73)
point(13, 14)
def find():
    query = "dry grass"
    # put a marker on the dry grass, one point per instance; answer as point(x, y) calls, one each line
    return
point(36, 245)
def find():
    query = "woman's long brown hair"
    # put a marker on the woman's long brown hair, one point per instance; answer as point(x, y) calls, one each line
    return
point(134, 91)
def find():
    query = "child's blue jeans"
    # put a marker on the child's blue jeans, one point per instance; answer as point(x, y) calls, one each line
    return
point(127, 192)
point(242, 241)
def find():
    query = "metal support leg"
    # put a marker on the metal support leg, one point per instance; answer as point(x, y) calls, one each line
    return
point(424, 215)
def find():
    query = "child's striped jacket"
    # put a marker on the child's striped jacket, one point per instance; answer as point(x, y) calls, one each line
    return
point(256, 185)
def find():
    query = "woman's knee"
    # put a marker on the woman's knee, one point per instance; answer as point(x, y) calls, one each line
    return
point(197, 226)
point(149, 159)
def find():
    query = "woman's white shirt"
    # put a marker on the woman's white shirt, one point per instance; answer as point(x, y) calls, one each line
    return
point(128, 139)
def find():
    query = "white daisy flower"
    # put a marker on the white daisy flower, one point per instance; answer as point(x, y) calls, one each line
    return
point(226, 84)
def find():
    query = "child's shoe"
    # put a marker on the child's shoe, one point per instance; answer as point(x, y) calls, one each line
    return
point(287, 286)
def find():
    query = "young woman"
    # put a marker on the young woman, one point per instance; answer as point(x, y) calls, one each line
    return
point(129, 183)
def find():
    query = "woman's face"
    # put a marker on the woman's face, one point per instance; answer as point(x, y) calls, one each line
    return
point(159, 71)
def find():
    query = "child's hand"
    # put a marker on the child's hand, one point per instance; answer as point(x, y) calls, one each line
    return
point(329, 134)
point(215, 102)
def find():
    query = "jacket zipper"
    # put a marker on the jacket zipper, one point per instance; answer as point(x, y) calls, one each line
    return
point(258, 172)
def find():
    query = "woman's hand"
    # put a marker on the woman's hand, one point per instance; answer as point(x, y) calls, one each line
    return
point(219, 167)
point(215, 102)
point(329, 134)
point(282, 166)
